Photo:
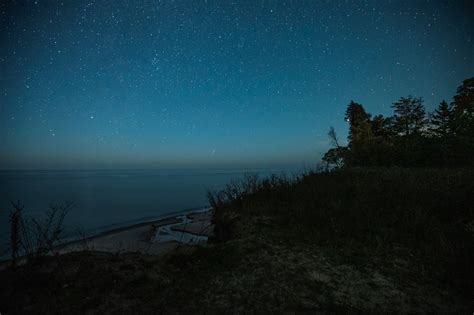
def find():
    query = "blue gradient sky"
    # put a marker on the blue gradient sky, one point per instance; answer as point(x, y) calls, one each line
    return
point(149, 84)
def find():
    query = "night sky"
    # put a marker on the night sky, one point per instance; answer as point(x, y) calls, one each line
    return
point(149, 84)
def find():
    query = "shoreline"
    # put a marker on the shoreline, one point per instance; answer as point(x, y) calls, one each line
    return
point(142, 236)
point(117, 228)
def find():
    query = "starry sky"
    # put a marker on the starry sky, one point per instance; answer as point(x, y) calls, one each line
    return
point(199, 84)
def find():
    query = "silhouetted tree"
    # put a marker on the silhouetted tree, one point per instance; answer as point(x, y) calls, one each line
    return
point(442, 120)
point(405, 139)
point(360, 134)
point(382, 126)
point(359, 122)
point(333, 136)
point(334, 157)
point(464, 108)
point(409, 115)
point(440, 144)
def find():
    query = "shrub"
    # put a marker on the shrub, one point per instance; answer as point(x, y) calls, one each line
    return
point(36, 237)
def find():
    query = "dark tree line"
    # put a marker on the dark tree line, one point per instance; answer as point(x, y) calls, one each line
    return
point(410, 137)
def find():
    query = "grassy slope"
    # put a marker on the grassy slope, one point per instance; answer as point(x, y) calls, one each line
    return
point(367, 240)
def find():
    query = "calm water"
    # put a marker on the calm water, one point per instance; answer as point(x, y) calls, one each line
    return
point(107, 198)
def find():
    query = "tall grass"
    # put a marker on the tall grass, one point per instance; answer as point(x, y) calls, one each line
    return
point(236, 195)
point(428, 211)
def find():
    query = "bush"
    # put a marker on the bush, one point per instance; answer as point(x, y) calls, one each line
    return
point(33, 237)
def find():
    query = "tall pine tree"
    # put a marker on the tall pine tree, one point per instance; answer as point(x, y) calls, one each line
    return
point(464, 108)
point(359, 122)
point(442, 121)
point(360, 134)
point(409, 115)
point(464, 122)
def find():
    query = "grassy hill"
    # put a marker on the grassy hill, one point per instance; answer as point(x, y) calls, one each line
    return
point(367, 240)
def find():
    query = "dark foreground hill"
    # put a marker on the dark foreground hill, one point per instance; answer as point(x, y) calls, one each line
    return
point(367, 240)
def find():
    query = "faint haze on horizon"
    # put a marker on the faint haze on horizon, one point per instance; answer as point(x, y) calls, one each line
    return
point(48, 163)
point(204, 84)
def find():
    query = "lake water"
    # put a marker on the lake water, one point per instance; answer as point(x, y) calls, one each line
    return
point(110, 198)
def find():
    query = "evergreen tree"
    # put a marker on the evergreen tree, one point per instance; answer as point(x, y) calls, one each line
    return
point(464, 108)
point(360, 133)
point(409, 115)
point(401, 139)
point(464, 122)
point(359, 122)
point(442, 120)
point(381, 126)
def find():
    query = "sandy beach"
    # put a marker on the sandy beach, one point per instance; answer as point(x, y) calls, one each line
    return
point(155, 237)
